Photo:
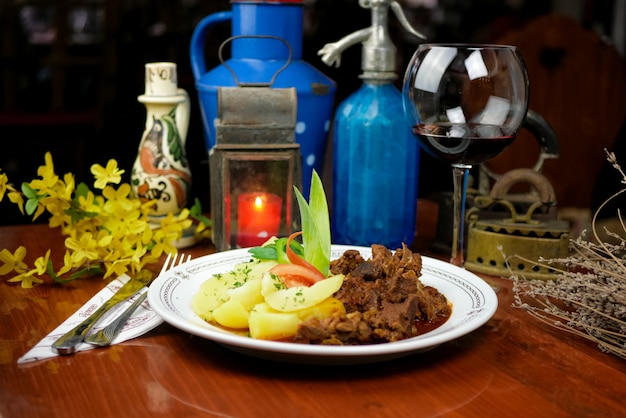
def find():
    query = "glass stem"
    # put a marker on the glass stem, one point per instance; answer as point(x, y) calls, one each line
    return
point(460, 175)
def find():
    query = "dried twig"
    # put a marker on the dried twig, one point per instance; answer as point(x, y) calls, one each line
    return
point(588, 297)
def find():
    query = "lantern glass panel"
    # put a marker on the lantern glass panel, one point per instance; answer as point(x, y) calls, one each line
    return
point(258, 193)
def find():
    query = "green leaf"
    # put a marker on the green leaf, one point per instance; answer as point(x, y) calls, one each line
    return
point(315, 225)
point(173, 140)
point(91, 271)
point(30, 206)
point(196, 212)
point(319, 207)
point(82, 190)
point(77, 214)
point(277, 250)
point(281, 250)
point(264, 253)
point(28, 191)
point(32, 198)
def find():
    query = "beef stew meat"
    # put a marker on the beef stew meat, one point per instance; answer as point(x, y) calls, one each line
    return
point(384, 300)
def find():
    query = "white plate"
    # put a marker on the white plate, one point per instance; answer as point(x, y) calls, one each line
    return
point(473, 303)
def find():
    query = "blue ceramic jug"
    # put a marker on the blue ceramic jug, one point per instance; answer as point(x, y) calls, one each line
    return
point(257, 60)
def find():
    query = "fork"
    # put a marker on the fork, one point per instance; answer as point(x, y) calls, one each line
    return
point(106, 335)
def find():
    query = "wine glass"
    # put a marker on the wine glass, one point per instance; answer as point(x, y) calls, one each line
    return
point(466, 104)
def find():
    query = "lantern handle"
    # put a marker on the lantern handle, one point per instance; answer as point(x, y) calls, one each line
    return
point(258, 84)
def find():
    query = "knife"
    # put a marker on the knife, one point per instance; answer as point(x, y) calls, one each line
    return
point(68, 343)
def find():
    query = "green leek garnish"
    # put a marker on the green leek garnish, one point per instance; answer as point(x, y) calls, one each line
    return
point(315, 247)
point(315, 225)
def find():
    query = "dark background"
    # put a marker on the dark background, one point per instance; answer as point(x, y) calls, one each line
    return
point(78, 98)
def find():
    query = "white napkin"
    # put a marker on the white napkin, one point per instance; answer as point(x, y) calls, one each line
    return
point(143, 320)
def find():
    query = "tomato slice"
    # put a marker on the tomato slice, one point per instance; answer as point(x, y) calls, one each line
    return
point(299, 272)
point(296, 259)
point(295, 275)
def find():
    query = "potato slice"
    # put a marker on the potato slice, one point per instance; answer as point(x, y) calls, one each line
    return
point(218, 289)
point(266, 323)
point(297, 297)
point(231, 314)
point(248, 294)
point(212, 293)
point(255, 269)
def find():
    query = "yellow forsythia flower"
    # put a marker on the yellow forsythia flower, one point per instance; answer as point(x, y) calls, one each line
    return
point(12, 262)
point(109, 234)
point(105, 175)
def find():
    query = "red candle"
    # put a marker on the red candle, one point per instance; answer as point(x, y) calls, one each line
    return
point(258, 218)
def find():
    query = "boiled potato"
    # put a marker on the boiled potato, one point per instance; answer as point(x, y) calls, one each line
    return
point(248, 294)
point(218, 288)
point(266, 323)
point(248, 297)
point(254, 269)
point(327, 307)
point(211, 294)
point(297, 297)
point(231, 314)
point(242, 273)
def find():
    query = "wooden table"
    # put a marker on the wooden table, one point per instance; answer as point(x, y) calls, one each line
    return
point(512, 366)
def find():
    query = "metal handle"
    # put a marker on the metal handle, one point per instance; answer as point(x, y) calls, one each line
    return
point(107, 334)
point(397, 9)
point(546, 138)
point(219, 53)
point(541, 184)
point(68, 343)
point(196, 50)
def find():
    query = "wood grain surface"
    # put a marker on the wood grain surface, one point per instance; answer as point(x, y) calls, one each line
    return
point(512, 366)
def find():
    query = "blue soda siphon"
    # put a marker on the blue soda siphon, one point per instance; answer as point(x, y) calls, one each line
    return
point(375, 155)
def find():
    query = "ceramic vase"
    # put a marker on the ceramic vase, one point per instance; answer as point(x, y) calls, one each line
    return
point(161, 172)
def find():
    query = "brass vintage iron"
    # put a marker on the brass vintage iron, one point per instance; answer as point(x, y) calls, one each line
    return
point(510, 233)
point(486, 178)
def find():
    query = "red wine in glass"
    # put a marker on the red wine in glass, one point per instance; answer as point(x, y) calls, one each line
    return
point(467, 143)
point(466, 103)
